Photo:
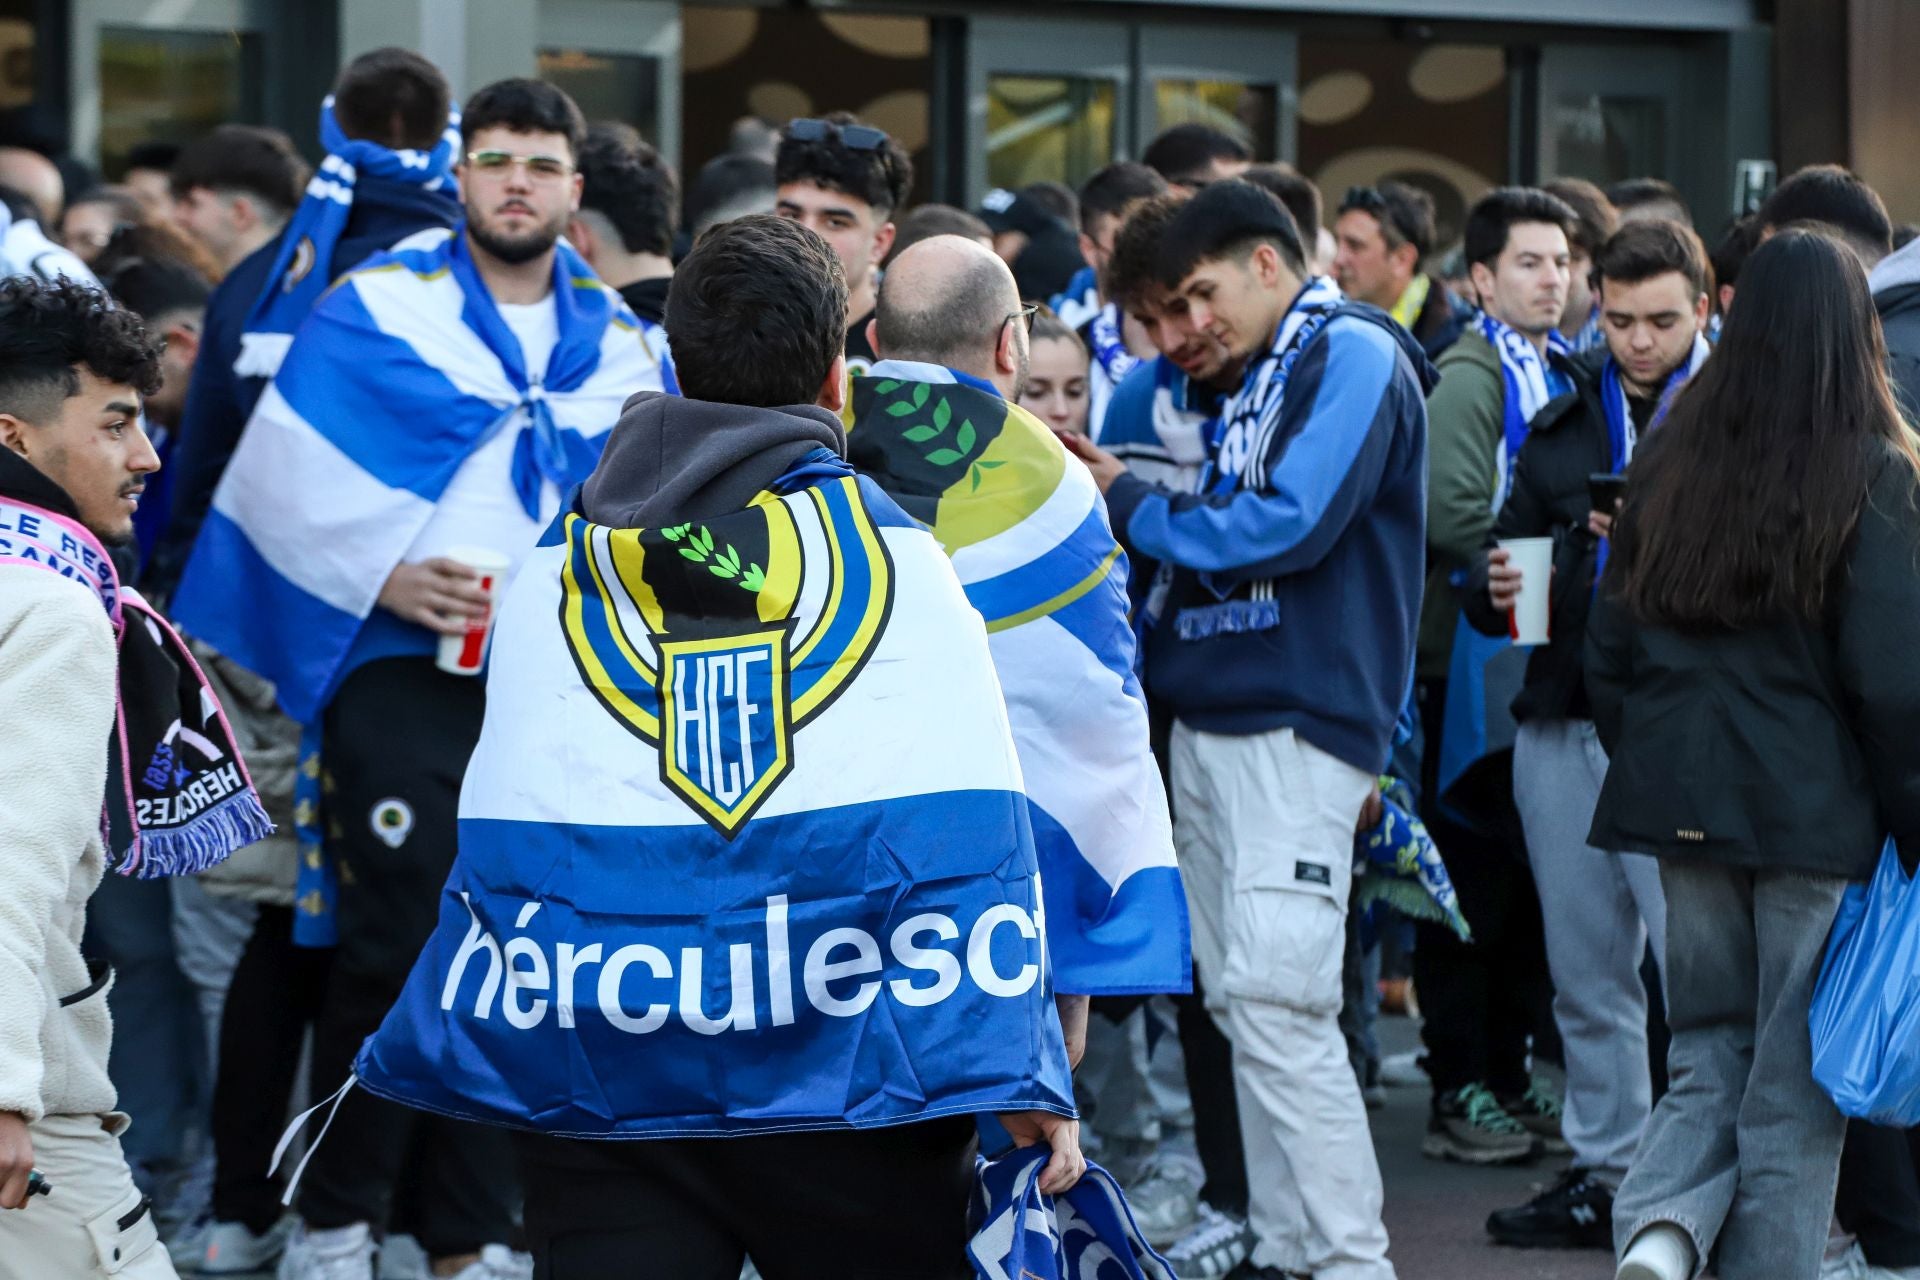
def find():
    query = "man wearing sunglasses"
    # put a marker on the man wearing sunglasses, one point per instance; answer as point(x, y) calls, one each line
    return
point(845, 180)
point(1384, 234)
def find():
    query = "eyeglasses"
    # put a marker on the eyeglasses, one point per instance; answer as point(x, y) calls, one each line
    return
point(540, 168)
point(854, 137)
point(1024, 315)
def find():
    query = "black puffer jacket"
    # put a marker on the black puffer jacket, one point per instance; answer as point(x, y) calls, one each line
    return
point(1787, 746)
point(1566, 443)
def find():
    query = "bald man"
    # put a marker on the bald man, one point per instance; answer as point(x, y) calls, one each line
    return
point(950, 303)
point(34, 176)
point(936, 424)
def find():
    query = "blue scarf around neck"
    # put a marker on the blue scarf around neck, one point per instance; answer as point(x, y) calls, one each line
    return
point(303, 271)
point(1530, 383)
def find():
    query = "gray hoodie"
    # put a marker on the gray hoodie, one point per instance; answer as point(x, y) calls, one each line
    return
point(671, 459)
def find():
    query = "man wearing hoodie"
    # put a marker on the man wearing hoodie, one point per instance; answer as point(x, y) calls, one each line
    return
point(73, 369)
point(1309, 523)
point(393, 98)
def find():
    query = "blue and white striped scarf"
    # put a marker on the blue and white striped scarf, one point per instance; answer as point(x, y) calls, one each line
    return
point(1530, 383)
point(1244, 431)
point(401, 373)
point(301, 271)
point(1621, 436)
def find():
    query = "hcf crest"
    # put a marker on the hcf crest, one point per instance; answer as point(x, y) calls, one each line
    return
point(716, 641)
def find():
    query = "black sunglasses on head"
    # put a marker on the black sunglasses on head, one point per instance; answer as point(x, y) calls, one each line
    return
point(854, 137)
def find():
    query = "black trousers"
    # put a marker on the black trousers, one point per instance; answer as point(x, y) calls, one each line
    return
point(1879, 1197)
point(1216, 1105)
point(1481, 1002)
point(396, 741)
point(275, 996)
point(871, 1204)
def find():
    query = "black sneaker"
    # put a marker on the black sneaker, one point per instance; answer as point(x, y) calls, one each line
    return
point(1574, 1213)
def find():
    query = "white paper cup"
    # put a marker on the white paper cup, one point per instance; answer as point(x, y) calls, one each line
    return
point(1533, 557)
point(466, 653)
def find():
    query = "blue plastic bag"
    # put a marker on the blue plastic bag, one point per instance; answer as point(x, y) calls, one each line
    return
point(1865, 1018)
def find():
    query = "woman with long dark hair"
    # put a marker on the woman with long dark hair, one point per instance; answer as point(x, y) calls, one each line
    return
point(1752, 671)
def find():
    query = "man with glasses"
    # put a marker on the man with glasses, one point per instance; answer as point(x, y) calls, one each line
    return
point(1384, 233)
point(846, 180)
point(429, 416)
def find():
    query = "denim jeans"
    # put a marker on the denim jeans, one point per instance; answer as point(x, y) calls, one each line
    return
point(1744, 1150)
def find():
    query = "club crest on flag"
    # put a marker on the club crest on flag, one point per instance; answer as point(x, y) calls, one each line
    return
point(716, 641)
point(725, 738)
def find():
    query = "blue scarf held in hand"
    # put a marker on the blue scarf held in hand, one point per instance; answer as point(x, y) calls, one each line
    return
point(1087, 1234)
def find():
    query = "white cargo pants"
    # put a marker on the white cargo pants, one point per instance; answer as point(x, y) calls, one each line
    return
point(1264, 827)
point(94, 1223)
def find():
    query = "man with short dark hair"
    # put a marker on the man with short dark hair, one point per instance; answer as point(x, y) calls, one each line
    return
point(423, 427)
point(1316, 483)
point(845, 180)
point(1638, 198)
point(728, 187)
point(391, 172)
point(1600, 909)
point(149, 176)
point(1105, 201)
point(767, 746)
point(1842, 205)
point(1480, 997)
point(1192, 155)
point(629, 215)
point(235, 188)
point(1302, 199)
point(73, 462)
point(1595, 221)
point(1385, 233)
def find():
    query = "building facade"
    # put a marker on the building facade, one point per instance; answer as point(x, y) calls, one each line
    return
point(1457, 95)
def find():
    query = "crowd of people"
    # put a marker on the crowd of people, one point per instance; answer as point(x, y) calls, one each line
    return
point(578, 583)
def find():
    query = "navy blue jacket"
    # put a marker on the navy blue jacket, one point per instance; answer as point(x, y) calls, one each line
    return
point(1327, 556)
point(220, 402)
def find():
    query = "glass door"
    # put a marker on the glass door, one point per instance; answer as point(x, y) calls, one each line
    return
point(618, 61)
point(1046, 101)
point(1611, 112)
point(1238, 80)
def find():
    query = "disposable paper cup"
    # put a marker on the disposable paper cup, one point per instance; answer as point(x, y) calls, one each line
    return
point(466, 653)
point(1533, 557)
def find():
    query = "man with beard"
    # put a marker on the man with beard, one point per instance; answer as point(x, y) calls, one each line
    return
point(434, 408)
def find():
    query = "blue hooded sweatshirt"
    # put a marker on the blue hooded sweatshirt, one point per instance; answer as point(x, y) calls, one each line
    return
point(1297, 579)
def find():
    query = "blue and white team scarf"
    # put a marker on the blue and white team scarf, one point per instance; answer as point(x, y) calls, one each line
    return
point(1530, 383)
point(1111, 364)
point(301, 271)
point(1089, 1233)
point(742, 846)
point(1244, 432)
point(1171, 446)
point(402, 372)
point(1590, 336)
point(1622, 438)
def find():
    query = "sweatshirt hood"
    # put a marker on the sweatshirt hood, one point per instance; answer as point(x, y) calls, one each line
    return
point(670, 459)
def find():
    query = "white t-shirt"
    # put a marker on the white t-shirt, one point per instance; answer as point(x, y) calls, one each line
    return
point(480, 507)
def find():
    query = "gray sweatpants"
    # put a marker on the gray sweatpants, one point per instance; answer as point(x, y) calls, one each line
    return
point(1745, 1147)
point(1599, 910)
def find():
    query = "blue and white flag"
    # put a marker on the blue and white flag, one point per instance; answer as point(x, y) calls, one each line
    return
point(1087, 1234)
point(742, 846)
point(403, 373)
point(1028, 535)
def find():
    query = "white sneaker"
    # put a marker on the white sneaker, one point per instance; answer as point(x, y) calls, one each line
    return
point(402, 1258)
point(1853, 1265)
point(1404, 1071)
point(1216, 1245)
point(497, 1262)
point(338, 1253)
point(229, 1249)
point(1660, 1252)
point(1166, 1200)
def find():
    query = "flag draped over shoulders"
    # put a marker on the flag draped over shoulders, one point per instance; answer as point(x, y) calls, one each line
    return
point(1028, 537)
point(742, 846)
point(402, 372)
